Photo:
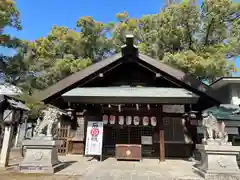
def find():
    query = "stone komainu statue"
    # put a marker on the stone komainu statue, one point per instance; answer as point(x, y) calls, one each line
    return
point(213, 129)
point(46, 124)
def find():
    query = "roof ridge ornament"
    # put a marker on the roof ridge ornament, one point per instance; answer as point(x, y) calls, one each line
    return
point(129, 49)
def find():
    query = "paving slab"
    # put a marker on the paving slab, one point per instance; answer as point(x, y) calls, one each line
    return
point(149, 169)
point(111, 169)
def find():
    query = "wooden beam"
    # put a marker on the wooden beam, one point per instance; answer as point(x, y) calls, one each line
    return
point(162, 147)
point(168, 79)
point(132, 109)
point(144, 66)
point(161, 137)
point(103, 72)
point(158, 75)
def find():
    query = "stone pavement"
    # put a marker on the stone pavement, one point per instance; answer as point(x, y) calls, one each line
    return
point(111, 169)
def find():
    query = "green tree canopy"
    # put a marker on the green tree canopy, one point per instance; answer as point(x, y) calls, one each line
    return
point(194, 39)
point(200, 40)
point(9, 17)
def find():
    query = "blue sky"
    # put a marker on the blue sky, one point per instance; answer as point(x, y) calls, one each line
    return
point(38, 16)
point(237, 63)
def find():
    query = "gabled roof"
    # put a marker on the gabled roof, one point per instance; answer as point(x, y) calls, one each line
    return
point(128, 50)
point(223, 81)
point(13, 102)
point(225, 112)
point(9, 89)
point(135, 95)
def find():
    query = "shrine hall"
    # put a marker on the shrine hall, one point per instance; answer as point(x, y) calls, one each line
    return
point(146, 106)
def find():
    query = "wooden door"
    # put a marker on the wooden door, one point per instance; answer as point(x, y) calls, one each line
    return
point(63, 134)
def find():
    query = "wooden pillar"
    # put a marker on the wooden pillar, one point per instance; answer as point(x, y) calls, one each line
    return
point(68, 139)
point(161, 136)
point(8, 116)
point(162, 148)
point(86, 117)
point(17, 135)
point(6, 146)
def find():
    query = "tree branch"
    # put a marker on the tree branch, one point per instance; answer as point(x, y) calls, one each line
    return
point(208, 32)
point(189, 37)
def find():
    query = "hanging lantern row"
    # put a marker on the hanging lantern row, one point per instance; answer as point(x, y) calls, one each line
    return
point(129, 120)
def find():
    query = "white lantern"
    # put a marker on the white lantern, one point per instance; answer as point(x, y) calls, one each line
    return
point(129, 120)
point(136, 120)
point(112, 119)
point(153, 121)
point(121, 120)
point(145, 121)
point(105, 119)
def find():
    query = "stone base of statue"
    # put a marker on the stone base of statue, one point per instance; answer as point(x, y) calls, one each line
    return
point(218, 160)
point(41, 156)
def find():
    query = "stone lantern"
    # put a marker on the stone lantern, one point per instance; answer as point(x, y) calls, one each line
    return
point(69, 111)
point(11, 114)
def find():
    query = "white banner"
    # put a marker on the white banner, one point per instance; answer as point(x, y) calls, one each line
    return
point(94, 138)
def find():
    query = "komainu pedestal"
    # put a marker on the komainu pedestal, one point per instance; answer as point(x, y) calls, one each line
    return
point(218, 156)
point(41, 156)
point(218, 161)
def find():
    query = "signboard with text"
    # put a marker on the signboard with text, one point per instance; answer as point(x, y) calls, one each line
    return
point(146, 140)
point(173, 108)
point(94, 138)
